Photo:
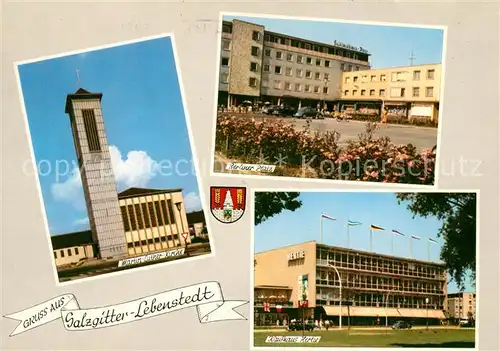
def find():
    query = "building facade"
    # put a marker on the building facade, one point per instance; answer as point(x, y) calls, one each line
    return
point(408, 92)
point(376, 289)
point(461, 305)
point(257, 64)
point(73, 247)
point(96, 171)
point(153, 220)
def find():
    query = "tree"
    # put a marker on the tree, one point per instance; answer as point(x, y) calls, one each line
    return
point(458, 214)
point(269, 204)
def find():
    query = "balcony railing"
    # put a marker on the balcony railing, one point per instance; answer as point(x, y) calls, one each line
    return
point(380, 270)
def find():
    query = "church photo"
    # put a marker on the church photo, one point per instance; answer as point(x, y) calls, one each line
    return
point(112, 153)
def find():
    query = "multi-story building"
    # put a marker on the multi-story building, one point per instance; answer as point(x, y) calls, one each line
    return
point(410, 92)
point(153, 220)
point(362, 288)
point(461, 305)
point(259, 65)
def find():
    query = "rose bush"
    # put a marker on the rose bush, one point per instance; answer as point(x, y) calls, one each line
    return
point(367, 158)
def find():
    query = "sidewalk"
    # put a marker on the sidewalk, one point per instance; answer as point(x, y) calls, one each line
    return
point(357, 328)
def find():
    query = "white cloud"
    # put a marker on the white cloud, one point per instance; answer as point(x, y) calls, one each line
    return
point(70, 191)
point(192, 202)
point(81, 222)
point(136, 170)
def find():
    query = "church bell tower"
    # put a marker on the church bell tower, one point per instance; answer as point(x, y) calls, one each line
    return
point(94, 162)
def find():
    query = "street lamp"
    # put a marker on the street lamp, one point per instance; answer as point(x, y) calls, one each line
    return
point(340, 294)
point(179, 208)
point(304, 296)
point(326, 80)
point(427, 313)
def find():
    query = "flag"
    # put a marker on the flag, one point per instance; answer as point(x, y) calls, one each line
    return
point(353, 223)
point(415, 237)
point(394, 231)
point(267, 307)
point(327, 217)
point(432, 240)
point(374, 227)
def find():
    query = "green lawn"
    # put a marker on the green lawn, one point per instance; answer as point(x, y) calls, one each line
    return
point(446, 338)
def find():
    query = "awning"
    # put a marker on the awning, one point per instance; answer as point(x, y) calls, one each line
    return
point(356, 311)
point(388, 103)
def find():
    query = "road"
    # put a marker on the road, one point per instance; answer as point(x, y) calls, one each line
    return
point(98, 267)
point(364, 328)
point(421, 137)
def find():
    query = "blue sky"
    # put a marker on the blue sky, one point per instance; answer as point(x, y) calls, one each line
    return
point(378, 208)
point(143, 115)
point(389, 46)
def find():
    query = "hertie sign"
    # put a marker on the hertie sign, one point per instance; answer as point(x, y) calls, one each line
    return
point(296, 255)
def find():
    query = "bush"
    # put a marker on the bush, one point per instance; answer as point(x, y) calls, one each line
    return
point(367, 158)
point(198, 239)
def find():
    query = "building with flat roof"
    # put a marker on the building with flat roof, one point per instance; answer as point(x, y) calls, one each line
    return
point(407, 92)
point(461, 305)
point(257, 64)
point(362, 288)
point(153, 220)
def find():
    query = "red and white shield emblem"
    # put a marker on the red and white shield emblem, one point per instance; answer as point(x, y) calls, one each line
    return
point(227, 204)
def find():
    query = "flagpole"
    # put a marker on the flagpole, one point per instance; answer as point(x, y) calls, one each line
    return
point(392, 244)
point(411, 251)
point(321, 229)
point(371, 236)
point(348, 236)
point(428, 250)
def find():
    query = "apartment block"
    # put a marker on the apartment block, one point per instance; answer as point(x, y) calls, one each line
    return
point(461, 305)
point(260, 65)
point(411, 91)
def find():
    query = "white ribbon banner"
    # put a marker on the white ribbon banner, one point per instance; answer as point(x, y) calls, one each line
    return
point(206, 297)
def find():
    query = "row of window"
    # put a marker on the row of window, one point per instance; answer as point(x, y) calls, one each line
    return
point(255, 51)
point(377, 264)
point(69, 251)
point(290, 57)
point(380, 300)
point(401, 92)
point(297, 87)
point(299, 73)
point(152, 241)
point(302, 44)
point(147, 215)
point(395, 77)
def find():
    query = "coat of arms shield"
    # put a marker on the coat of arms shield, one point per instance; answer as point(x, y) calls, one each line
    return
point(227, 204)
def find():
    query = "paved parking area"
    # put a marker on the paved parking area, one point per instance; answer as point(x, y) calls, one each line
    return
point(421, 137)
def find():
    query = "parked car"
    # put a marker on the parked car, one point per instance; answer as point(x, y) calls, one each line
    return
point(401, 325)
point(284, 111)
point(269, 109)
point(308, 325)
point(305, 112)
